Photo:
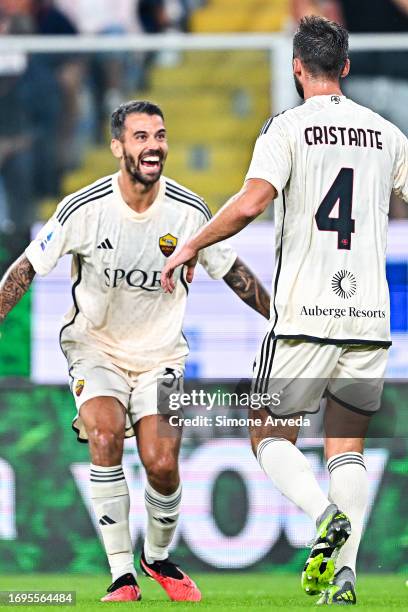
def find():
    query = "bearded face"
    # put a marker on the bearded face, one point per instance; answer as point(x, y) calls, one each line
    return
point(143, 148)
point(147, 168)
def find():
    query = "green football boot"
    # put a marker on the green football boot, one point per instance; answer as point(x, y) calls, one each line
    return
point(342, 592)
point(333, 530)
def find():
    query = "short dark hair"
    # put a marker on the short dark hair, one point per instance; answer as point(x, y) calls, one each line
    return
point(127, 108)
point(322, 46)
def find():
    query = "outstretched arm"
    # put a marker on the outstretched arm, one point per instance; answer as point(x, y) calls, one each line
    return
point(15, 284)
point(236, 214)
point(248, 287)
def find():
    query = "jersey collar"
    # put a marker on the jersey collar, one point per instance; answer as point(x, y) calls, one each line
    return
point(326, 98)
point(129, 212)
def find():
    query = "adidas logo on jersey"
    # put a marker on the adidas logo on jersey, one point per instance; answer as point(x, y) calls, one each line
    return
point(105, 244)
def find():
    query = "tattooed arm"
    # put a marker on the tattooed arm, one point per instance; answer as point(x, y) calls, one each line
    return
point(15, 284)
point(247, 286)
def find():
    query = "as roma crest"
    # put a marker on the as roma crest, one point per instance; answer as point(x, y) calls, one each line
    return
point(167, 244)
point(79, 387)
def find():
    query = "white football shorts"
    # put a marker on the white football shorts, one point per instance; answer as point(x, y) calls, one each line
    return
point(96, 376)
point(297, 374)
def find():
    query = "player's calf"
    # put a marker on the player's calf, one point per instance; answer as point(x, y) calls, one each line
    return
point(110, 502)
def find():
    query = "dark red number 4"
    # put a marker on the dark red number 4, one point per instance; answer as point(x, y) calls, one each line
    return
point(342, 192)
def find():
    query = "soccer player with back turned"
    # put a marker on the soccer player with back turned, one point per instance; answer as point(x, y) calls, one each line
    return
point(333, 164)
point(124, 333)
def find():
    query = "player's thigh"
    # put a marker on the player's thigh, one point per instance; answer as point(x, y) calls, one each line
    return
point(151, 390)
point(158, 441)
point(354, 396)
point(101, 394)
point(292, 375)
point(103, 414)
point(158, 444)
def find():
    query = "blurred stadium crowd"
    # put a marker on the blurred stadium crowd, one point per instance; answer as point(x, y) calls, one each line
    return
point(53, 107)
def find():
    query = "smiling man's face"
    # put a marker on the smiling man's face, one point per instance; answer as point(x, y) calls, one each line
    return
point(144, 147)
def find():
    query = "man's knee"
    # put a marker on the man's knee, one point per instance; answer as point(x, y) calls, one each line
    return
point(104, 421)
point(105, 438)
point(162, 470)
point(106, 445)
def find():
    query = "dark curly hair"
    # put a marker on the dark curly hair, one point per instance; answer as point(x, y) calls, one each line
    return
point(322, 46)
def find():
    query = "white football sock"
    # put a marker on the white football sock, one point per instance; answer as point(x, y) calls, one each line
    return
point(162, 518)
point(110, 501)
point(292, 474)
point(349, 491)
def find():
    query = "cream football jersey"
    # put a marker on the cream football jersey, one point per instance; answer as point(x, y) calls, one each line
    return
point(120, 309)
point(334, 164)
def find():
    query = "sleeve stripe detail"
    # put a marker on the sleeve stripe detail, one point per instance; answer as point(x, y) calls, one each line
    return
point(179, 191)
point(187, 194)
point(83, 194)
point(96, 197)
point(189, 203)
point(268, 122)
point(182, 191)
point(266, 126)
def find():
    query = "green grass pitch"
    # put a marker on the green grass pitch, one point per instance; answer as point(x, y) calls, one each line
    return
point(222, 591)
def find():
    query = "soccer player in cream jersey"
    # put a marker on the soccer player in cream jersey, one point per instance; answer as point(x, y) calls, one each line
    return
point(332, 164)
point(124, 332)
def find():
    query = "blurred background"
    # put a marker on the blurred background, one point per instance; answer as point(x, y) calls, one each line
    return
point(218, 69)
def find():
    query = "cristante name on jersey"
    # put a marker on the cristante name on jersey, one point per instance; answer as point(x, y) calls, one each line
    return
point(351, 137)
point(137, 278)
point(339, 313)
